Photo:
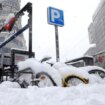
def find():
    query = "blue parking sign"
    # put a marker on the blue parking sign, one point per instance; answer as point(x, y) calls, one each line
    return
point(55, 16)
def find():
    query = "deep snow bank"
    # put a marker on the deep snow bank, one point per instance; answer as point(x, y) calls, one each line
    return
point(79, 95)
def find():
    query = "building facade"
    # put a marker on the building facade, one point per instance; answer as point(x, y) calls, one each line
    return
point(96, 30)
point(10, 7)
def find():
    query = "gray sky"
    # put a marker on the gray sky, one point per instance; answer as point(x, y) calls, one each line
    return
point(73, 37)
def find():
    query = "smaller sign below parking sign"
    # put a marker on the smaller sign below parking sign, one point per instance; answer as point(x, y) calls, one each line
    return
point(55, 16)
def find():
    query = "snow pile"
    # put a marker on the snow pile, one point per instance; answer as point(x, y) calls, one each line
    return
point(94, 78)
point(38, 67)
point(90, 94)
point(66, 70)
point(8, 84)
point(79, 95)
point(70, 70)
point(58, 71)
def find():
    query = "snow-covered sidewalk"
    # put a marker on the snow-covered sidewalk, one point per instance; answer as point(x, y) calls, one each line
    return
point(79, 95)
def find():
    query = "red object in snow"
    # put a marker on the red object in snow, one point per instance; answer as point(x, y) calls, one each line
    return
point(10, 24)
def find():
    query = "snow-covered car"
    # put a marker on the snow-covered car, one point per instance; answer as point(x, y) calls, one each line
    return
point(95, 70)
point(71, 75)
point(34, 72)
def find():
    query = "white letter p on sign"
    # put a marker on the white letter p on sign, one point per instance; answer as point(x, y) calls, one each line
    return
point(55, 14)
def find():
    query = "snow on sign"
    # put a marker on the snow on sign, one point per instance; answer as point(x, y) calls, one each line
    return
point(55, 16)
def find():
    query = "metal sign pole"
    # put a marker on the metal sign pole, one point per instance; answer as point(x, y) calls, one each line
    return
point(56, 18)
point(30, 32)
point(57, 43)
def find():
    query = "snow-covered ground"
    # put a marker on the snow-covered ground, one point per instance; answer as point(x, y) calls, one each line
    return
point(82, 94)
point(93, 94)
